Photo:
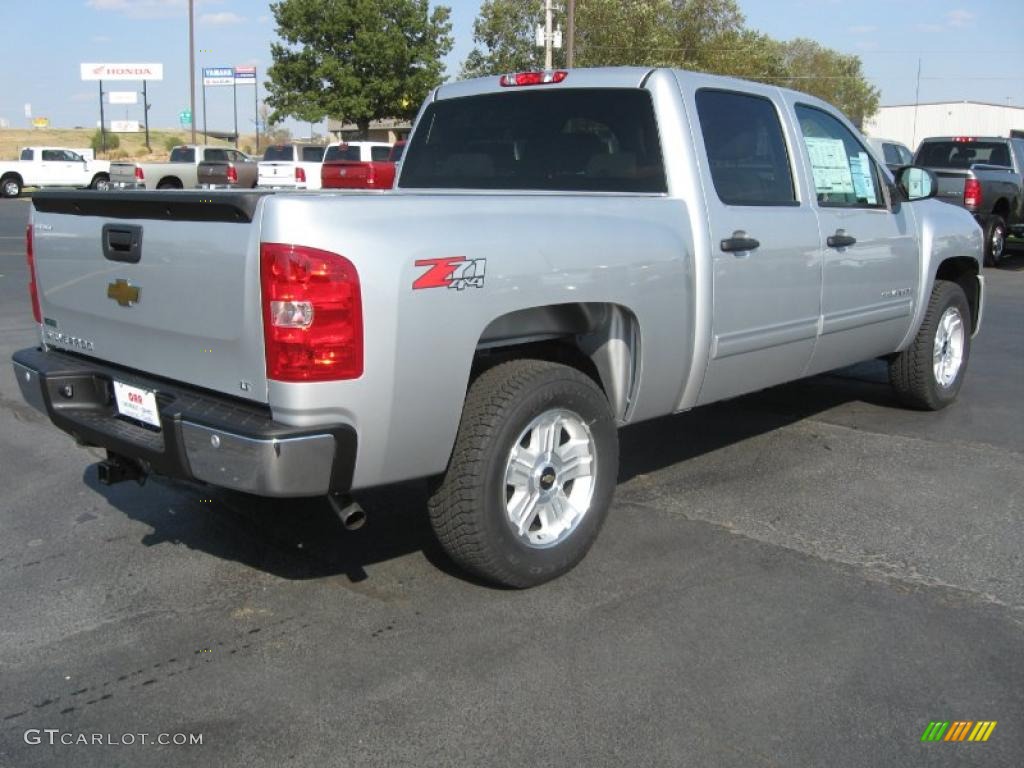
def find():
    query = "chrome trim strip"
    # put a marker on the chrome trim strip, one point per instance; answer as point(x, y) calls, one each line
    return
point(981, 305)
point(855, 318)
point(740, 342)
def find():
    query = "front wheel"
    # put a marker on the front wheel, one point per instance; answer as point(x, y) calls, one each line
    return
point(995, 240)
point(928, 374)
point(532, 474)
point(10, 186)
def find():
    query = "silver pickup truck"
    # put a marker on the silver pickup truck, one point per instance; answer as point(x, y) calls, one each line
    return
point(983, 175)
point(564, 253)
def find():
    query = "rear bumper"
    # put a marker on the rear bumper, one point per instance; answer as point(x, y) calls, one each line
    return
point(204, 436)
point(127, 185)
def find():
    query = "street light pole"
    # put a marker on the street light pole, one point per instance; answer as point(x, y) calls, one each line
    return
point(192, 66)
point(548, 38)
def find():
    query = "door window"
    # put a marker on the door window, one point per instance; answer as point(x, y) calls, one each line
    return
point(746, 150)
point(52, 156)
point(891, 154)
point(844, 174)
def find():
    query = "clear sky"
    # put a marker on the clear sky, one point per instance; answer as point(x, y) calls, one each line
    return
point(968, 50)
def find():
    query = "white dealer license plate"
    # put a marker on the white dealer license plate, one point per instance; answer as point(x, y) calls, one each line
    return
point(136, 403)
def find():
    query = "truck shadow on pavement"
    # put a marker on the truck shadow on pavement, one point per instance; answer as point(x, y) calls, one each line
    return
point(299, 539)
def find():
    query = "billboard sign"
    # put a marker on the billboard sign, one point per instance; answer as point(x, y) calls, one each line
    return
point(124, 126)
point(40, 122)
point(245, 75)
point(122, 71)
point(123, 97)
point(218, 76)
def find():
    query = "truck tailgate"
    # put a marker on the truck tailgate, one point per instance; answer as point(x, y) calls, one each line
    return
point(121, 279)
point(212, 173)
point(951, 185)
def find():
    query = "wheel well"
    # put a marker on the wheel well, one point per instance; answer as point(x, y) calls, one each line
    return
point(600, 340)
point(13, 174)
point(964, 272)
point(1002, 208)
point(170, 181)
point(100, 175)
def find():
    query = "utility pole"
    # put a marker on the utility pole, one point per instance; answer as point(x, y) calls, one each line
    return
point(103, 126)
point(145, 111)
point(548, 37)
point(570, 30)
point(192, 67)
point(917, 100)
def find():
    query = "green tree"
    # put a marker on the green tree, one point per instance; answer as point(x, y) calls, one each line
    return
point(96, 142)
point(356, 60)
point(832, 76)
point(702, 35)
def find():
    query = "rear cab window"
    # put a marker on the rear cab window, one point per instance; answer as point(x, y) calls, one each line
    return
point(843, 172)
point(312, 154)
point(279, 153)
point(183, 155)
point(745, 147)
point(379, 154)
point(958, 153)
point(570, 140)
point(342, 152)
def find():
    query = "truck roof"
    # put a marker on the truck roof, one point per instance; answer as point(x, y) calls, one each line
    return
point(964, 137)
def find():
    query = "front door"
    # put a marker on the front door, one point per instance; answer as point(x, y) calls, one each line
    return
point(868, 242)
point(765, 254)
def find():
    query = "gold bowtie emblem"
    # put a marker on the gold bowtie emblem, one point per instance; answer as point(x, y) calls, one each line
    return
point(123, 293)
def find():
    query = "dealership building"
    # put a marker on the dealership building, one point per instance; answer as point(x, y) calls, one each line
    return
point(909, 123)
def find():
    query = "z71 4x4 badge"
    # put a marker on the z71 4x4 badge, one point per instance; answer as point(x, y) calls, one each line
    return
point(456, 272)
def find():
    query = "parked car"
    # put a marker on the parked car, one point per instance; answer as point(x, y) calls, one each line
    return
point(47, 167)
point(983, 175)
point(291, 166)
point(237, 172)
point(564, 253)
point(181, 171)
point(895, 154)
point(343, 167)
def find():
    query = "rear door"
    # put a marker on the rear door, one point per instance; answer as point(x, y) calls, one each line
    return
point(766, 259)
point(869, 248)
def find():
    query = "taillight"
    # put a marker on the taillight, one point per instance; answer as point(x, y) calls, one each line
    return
point(972, 193)
point(232, 175)
point(514, 79)
point(300, 173)
point(33, 286)
point(139, 175)
point(312, 314)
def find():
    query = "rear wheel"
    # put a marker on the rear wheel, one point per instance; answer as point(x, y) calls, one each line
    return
point(928, 374)
point(10, 186)
point(100, 182)
point(531, 476)
point(169, 184)
point(995, 239)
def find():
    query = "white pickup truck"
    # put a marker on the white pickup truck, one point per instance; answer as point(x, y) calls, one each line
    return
point(291, 166)
point(52, 167)
point(563, 253)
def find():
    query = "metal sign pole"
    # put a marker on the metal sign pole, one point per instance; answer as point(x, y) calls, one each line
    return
point(205, 136)
point(256, 107)
point(145, 111)
point(103, 129)
point(234, 100)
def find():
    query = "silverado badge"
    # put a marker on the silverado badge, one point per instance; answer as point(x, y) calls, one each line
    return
point(123, 293)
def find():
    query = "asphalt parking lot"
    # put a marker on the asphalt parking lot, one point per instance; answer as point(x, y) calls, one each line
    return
point(802, 577)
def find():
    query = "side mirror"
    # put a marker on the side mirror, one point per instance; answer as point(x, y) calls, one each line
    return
point(917, 183)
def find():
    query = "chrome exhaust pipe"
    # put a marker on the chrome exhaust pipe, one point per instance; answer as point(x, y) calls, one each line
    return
point(348, 511)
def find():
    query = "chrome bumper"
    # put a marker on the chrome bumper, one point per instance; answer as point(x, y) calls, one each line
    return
point(204, 437)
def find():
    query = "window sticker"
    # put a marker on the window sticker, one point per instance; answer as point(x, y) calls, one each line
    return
point(863, 184)
point(830, 166)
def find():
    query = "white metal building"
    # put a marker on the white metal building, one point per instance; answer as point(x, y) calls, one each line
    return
point(909, 123)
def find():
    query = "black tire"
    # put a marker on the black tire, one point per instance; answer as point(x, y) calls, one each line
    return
point(10, 186)
point(101, 182)
point(169, 184)
point(468, 505)
point(995, 240)
point(912, 372)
